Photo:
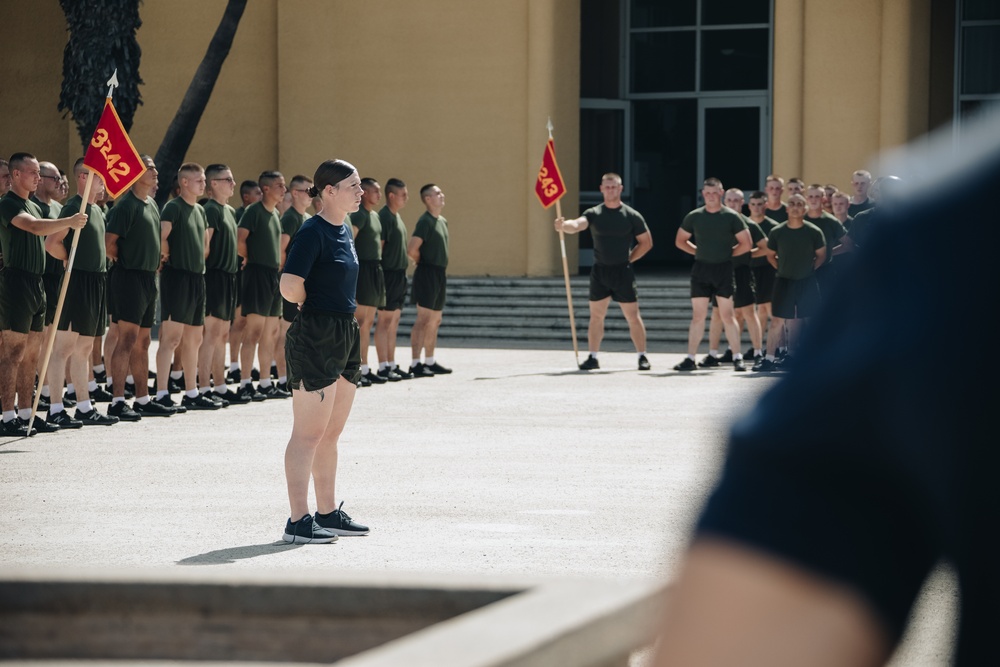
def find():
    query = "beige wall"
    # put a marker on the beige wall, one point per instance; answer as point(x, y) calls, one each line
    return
point(851, 78)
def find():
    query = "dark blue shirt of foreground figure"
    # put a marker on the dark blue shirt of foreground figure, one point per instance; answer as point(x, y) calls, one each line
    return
point(324, 255)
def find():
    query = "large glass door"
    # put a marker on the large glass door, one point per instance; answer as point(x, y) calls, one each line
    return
point(733, 141)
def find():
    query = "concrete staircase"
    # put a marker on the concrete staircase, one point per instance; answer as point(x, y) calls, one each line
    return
point(532, 312)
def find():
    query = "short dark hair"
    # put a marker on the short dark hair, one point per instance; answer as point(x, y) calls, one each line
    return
point(214, 169)
point(78, 166)
point(394, 186)
point(424, 190)
point(247, 185)
point(712, 182)
point(266, 178)
point(758, 194)
point(17, 160)
point(300, 179)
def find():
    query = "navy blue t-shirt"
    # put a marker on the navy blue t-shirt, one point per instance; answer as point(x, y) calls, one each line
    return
point(324, 255)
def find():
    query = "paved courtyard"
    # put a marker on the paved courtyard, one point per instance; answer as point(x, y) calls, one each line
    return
point(515, 464)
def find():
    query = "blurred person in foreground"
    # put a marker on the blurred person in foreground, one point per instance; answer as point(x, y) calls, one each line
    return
point(816, 542)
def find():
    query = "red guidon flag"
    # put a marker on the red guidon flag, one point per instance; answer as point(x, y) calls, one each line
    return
point(549, 187)
point(111, 154)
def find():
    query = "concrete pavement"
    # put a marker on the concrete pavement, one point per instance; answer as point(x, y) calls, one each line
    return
point(516, 464)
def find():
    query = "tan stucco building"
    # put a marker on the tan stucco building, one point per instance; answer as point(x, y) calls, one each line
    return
point(458, 93)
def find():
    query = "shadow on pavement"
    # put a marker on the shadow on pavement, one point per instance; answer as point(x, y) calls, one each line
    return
point(555, 374)
point(233, 554)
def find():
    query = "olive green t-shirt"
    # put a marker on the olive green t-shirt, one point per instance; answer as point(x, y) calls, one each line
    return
point(368, 242)
point(394, 237)
point(756, 235)
point(263, 243)
point(51, 211)
point(765, 225)
point(614, 231)
point(137, 224)
point(186, 241)
point(291, 222)
point(853, 209)
point(779, 214)
point(221, 219)
point(239, 213)
point(90, 253)
point(434, 233)
point(20, 249)
point(796, 248)
point(832, 230)
point(714, 233)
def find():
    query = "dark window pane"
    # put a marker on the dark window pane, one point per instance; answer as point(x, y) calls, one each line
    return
point(663, 13)
point(600, 48)
point(732, 146)
point(665, 158)
point(980, 10)
point(725, 12)
point(981, 60)
point(663, 62)
point(734, 59)
point(602, 145)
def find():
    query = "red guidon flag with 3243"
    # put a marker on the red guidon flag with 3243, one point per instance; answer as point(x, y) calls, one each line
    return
point(549, 187)
point(111, 154)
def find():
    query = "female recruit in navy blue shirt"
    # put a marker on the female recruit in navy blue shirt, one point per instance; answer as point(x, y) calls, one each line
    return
point(323, 354)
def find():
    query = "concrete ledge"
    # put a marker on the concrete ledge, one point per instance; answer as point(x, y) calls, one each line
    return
point(360, 621)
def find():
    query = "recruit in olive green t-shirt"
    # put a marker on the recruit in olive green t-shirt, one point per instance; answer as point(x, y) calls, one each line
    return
point(368, 241)
point(756, 235)
point(90, 253)
point(434, 233)
point(394, 238)
point(137, 224)
point(263, 243)
point(614, 231)
point(20, 249)
point(221, 219)
point(796, 248)
point(186, 241)
point(714, 233)
point(832, 230)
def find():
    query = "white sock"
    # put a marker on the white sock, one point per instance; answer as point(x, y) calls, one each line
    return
point(119, 399)
point(99, 368)
point(382, 365)
point(221, 390)
point(235, 366)
point(283, 379)
point(365, 369)
point(129, 379)
point(593, 354)
point(110, 383)
point(92, 385)
point(737, 356)
point(56, 407)
point(160, 394)
point(176, 375)
point(265, 382)
point(45, 391)
point(429, 361)
point(202, 390)
point(759, 351)
point(191, 393)
point(690, 356)
point(71, 388)
point(713, 353)
point(770, 357)
point(8, 415)
point(25, 414)
point(642, 354)
point(84, 406)
point(244, 383)
point(142, 400)
point(392, 364)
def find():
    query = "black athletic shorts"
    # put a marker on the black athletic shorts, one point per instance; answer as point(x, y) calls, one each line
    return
point(134, 296)
point(182, 296)
point(395, 289)
point(220, 294)
point(795, 299)
point(708, 280)
point(112, 267)
point(85, 310)
point(616, 281)
point(288, 310)
point(746, 287)
point(321, 346)
point(429, 286)
point(22, 301)
point(764, 278)
point(260, 291)
point(239, 287)
point(371, 284)
point(53, 283)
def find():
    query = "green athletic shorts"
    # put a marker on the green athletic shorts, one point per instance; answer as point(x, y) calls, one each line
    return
point(429, 286)
point(371, 284)
point(134, 296)
point(22, 301)
point(321, 346)
point(85, 310)
point(260, 291)
point(614, 280)
point(220, 294)
point(395, 289)
point(53, 283)
point(182, 296)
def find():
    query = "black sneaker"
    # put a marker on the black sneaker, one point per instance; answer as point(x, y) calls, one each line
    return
point(151, 409)
point(738, 365)
point(169, 404)
point(255, 375)
point(150, 375)
point(750, 355)
point(374, 378)
point(727, 357)
point(589, 364)
point(402, 373)
point(200, 402)
point(247, 391)
point(763, 365)
point(100, 396)
point(708, 362)
point(363, 382)
point(43, 426)
point(123, 412)
point(419, 370)
point(687, 365)
point(338, 523)
point(17, 428)
point(233, 377)
point(283, 386)
point(273, 392)
point(100, 378)
point(175, 386)
point(307, 531)
point(389, 375)
point(274, 372)
point(43, 403)
point(644, 363)
point(63, 420)
point(438, 369)
point(233, 397)
point(94, 418)
point(69, 399)
point(130, 390)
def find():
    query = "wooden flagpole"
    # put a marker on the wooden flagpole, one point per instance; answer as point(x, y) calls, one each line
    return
point(565, 265)
point(54, 327)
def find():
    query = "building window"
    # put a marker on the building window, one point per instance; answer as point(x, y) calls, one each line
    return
point(977, 56)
